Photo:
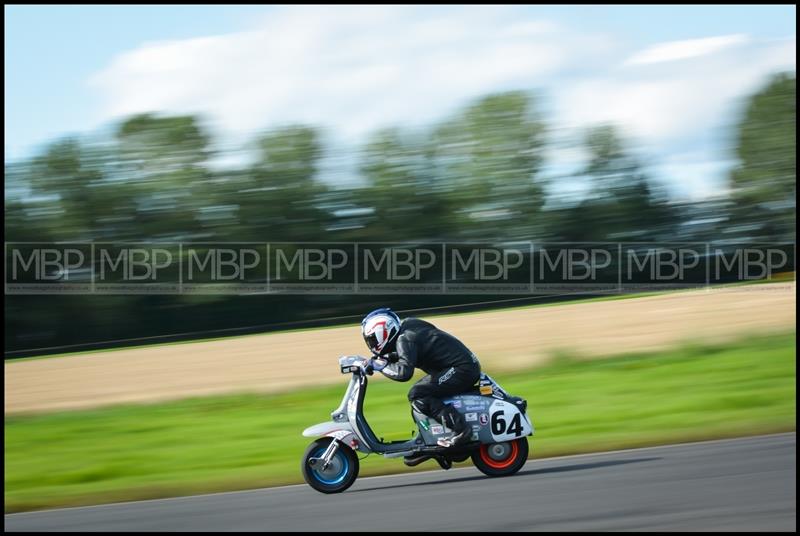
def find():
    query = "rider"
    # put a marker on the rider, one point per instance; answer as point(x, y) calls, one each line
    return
point(451, 368)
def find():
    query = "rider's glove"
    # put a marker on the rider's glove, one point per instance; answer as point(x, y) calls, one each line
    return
point(366, 367)
point(378, 364)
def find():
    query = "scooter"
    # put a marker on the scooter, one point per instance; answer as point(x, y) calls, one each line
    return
point(498, 446)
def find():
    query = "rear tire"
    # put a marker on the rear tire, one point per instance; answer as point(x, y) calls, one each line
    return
point(342, 472)
point(501, 459)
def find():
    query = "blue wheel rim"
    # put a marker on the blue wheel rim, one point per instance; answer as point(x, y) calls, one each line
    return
point(338, 477)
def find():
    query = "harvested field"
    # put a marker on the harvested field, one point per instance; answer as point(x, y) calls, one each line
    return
point(503, 340)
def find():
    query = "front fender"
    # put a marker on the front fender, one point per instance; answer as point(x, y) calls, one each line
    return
point(325, 428)
point(339, 430)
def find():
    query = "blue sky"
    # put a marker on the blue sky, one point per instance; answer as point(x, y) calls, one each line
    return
point(51, 51)
point(76, 69)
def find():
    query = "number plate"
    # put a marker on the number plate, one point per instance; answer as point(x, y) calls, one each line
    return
point(506, 422)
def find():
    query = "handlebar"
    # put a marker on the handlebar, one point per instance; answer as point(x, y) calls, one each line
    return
point(356, 363)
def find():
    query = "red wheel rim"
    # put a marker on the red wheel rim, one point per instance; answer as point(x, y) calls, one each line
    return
point(495, 464)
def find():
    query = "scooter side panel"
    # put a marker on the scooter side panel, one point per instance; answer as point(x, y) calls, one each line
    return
point(492, 420)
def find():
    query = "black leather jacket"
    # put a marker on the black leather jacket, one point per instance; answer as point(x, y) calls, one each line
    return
point(422, 345)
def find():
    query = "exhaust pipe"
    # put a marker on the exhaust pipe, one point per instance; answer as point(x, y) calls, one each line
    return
point(416, 461)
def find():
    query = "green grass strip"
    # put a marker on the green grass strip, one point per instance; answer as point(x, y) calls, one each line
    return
point(236, 442)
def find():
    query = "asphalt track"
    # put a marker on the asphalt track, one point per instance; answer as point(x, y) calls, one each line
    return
point(729, 485)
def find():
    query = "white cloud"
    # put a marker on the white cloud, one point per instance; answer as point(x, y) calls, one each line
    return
point(689, 48)
point(662, 105)
point(351, 68)
point(531, 28)
point(671, 108)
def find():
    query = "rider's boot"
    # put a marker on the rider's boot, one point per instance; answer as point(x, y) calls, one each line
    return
point(454, 420)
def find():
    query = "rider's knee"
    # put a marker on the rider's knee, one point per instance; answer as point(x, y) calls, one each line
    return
point(413, 395)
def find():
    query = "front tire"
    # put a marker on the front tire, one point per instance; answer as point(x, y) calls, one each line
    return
point(341, 473)
point(501, 459)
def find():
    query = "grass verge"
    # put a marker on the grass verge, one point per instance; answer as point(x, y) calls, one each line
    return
point(236, 442)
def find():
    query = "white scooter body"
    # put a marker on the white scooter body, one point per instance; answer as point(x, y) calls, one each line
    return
point(494, 417)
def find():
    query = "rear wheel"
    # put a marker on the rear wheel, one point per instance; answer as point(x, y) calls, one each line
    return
point(338, 476)
point(501, 459)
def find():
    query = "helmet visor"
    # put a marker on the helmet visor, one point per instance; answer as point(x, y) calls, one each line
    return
point(372, 342)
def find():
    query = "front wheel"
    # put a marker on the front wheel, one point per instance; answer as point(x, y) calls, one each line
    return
point(501, 459)
point(338, 476)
